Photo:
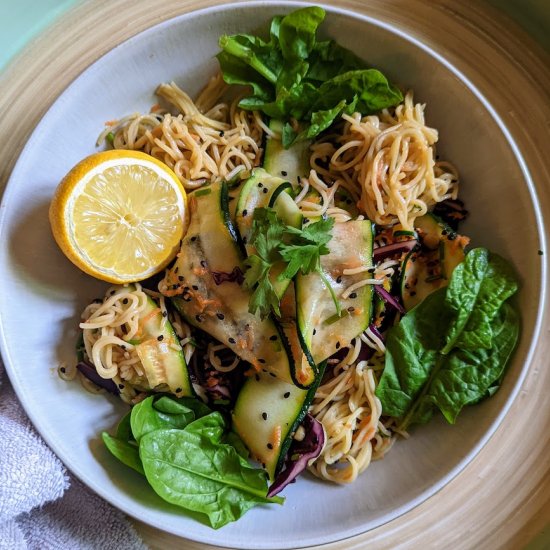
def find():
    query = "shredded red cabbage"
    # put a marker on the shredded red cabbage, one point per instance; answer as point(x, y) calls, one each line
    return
point(299, 454)
point(388, 298)
point(91, 374)
point(236, 276)
point(383, 252)
point(376, 332)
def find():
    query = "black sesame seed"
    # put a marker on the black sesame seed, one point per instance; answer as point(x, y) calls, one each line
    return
point(264, 416)
point(125, 301)
point(306, 220)
point(412, 293)
point(314, 331)
point(194, 287)
point(112, 292)
point(160, 337)
point(257, 377)
point(121, 386)
point(351, 309)
point(273, 338)
point(245, 212)
point(299, 179)
point(203, 263)
point(286, 395)
point(337, 345)
point(178, 390)
point(176, 269)
point(283, 173)
point(181, 278)
point(185, 289)
point(540, 252)
point(260, 184)
point(199, 318)
point(232, 341)
point(271, 374)
point(339, 279)
point(123, 346)
point(269, 446)
point(220, 316)
point(262, 361)
point(371, 270)
point(266, 189)
point(63, 369)
point(222, 133)
point(244, 239)
point(353, 295)
point(165, 314)
point(193, 239)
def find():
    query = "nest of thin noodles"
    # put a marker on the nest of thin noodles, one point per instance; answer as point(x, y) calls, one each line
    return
point(387, 167)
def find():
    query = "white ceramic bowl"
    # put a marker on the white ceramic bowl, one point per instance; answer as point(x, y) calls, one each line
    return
point(42, 293)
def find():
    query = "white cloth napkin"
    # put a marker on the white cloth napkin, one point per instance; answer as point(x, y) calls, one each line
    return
point(42, 507)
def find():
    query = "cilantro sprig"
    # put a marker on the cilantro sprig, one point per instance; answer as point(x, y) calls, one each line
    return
point(276, 243)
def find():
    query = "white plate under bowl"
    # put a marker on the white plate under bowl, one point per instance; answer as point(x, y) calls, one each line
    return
point(42, 293)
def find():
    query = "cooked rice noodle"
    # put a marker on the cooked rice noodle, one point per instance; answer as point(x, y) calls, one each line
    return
point(206, 141)
point(108, 328)
point(388, 162)
point(385, 164)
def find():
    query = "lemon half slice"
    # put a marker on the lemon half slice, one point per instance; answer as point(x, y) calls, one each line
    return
point(119, 215)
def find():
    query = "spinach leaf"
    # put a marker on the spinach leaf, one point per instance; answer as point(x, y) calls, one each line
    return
point(451, 350)
point(294, 77)
point(466, 375)
point(145, 417)
point(194, 469)
point(189, 458)
point(125, 451)
point(124, 429)
point(477, 289)
point(297, 32)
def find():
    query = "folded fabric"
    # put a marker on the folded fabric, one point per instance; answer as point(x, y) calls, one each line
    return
point(41, 505)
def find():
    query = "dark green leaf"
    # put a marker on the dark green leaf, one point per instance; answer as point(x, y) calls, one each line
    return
point(191, 468)
point(124, 429)
point(434, 359)
point(295, 78)
point(482, 283)
point(146, 418)
point(297, 32)
point(468, 375)
point(125, 452)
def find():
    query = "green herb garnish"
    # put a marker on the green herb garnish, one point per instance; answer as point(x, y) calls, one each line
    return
point(451, 350)
point(189, 458)
point(276, 244)
point(296, 78)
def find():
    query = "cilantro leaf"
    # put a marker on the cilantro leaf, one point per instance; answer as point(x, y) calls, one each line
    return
point(309, 244)
point(264, 298)
point(267, 232)
point(276, 243)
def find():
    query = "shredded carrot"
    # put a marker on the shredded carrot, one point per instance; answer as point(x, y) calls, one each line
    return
point(368, 435)
point(111, 123)
point(154, 108)
point(200, 271)
point(173, 292)
point(275, 437)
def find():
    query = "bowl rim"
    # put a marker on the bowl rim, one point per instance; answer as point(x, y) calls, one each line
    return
point(402, 34)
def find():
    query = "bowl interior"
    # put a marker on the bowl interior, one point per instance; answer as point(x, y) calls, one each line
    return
point(43, 293)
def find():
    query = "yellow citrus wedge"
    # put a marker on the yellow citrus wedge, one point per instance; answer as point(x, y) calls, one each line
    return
point(119, 215)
